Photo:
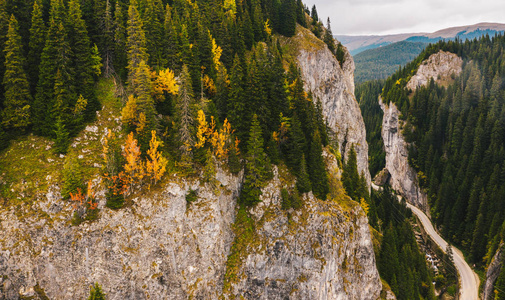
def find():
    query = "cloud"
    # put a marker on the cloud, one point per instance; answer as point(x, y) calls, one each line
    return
point(398, 16)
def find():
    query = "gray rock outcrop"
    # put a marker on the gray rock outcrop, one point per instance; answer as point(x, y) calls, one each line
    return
point(157, 248)
point(333, 85)
point(440, 66)
point(160, 247)
point(493, 271)
point(403, 177)
point(321, 251)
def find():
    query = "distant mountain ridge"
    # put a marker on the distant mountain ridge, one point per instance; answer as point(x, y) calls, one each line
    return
point(357, 44)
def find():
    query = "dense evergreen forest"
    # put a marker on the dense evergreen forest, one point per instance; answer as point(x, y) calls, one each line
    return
point(367, 94)
point(199, 79)
point(401, 264)
point(457, 137)
point(379, 63)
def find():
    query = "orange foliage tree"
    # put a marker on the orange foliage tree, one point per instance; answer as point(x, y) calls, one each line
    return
point(156, 164)
point(134, 167)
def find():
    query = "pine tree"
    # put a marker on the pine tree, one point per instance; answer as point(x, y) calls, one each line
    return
point(136, 45)
point(257, 166)
point(108, 43)
point(154, 32)
point(145, 105)
point(55, 56)
point(82, 61)
point(36, 45)
point(236, 100)
point(317, 170)
point(170, 46)
point(185, 116)
point(303, 181)
point(288, 18)
point(4, 26)
point(16, 112)
point(350, 175)
point(96, 293)
point(328, 37)
point(120, 60)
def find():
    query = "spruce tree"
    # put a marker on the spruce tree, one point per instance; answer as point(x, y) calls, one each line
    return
point(236, 99)
point(96, 293)
point(82, 64)
point(154, 32)
point(16, 112)
point(145, 105)
point(317, 168)
point(136, 45)
point(120, 60)
point(257, 166)
point(55, 56)
point(350, 175)
point(185, 116)
point(303, 181)
point(36, 44)
point(4, 26)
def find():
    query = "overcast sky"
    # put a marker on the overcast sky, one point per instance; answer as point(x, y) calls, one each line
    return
point(364, 17)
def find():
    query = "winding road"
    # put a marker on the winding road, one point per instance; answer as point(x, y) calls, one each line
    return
point(469, 281)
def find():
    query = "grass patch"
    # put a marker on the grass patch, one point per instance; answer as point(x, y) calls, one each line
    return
point(30, 166)
point(245, 234)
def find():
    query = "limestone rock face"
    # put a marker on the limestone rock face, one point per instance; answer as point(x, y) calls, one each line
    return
point(403, 176)
point(492, 273)
point(439, 66)
point(320, 251)
point(333, 84)
point(157, 248)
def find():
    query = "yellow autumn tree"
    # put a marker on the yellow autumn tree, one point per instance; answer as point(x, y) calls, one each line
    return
point(129, 113)
point(164, 81)
point(156, 164)
point(364, 205)
point(231, 8)
point(216, 54)
point(133, 168)
point(202, 130)
point(268, 28)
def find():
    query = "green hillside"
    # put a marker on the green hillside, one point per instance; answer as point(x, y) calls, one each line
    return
point(458, 140)
point(379, 63)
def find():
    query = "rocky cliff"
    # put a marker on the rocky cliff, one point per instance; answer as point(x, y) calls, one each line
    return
point(492, 273)
point(333, 84)
point(160, 247)
point(442, 67)
point(403, 178)
point(157, 247)
point(321, 251)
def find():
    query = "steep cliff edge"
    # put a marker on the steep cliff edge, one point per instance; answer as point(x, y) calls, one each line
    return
point(493, 271)
point(156, 247)
point(321, 251)
point(333, 85)
point(442, 67)
point(403, 178)
point(160, 247)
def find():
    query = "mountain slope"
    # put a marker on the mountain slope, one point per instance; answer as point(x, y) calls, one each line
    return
point(379, 63)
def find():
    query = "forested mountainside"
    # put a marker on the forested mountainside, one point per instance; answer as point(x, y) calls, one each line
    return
point(169, 148)
point(218, 52)
point(380, 63)
point(456, 131)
